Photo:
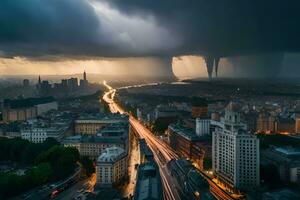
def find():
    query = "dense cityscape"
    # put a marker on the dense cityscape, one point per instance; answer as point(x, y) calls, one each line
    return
point(163, 140)
point(149, 100)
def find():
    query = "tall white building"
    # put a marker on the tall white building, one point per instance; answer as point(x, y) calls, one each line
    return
point(111, 166)
point(202, 126)
point(235, 152)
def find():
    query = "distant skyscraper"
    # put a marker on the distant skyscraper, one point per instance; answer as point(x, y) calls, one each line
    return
point(84, 76)
point(72, 84)
point(235, 152)
point(38, 85)
point(84, 81)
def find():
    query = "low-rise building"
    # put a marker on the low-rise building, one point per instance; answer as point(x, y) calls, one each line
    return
point(38, 131)
point(297, 125)
point(199, 109)
point(166, 111)
point(93, 145)
point(280, 194)
point(146, 154)
point(111, 167)
point(10, 130)
point(188, 144)
point(285, 125)
point(24, 109)
point(148, 184)
point(286, 160)
point(92, 123)
point(265, 122)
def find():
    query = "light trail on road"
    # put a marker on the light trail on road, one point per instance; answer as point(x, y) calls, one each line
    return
point(157, 146)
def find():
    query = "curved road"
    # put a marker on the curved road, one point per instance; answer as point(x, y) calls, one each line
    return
point(162, 152)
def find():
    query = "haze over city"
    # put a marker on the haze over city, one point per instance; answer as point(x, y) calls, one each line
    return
point(139, 99)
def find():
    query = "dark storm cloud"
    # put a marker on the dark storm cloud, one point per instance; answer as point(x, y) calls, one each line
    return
point(267, 65)
point(33, 27)
point(56, 28)
point(82, 28)
point(225, 26)
point(75, 28)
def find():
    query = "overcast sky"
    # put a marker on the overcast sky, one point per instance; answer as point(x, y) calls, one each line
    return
point(44, 33)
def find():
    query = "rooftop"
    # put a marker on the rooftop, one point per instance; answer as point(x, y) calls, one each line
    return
point(111, 154)
point(148, 183)
point(115, 129)
point(46, 125)
point(286, 194)
point(92, 139)
point(144, 148)
point(102, 116)
point(187, 133)
point(288, 150)
point(21, 103)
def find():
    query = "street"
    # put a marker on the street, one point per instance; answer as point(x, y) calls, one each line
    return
point(79, 189)
point(162, 152)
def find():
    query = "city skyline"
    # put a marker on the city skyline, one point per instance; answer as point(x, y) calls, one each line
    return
point(139, 99)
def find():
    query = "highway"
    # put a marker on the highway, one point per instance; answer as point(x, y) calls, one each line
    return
point(162, 152)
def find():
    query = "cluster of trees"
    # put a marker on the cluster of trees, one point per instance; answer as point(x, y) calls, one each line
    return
point(88, 165)
point(44, 162)
point(22, 151)
point(161, 124)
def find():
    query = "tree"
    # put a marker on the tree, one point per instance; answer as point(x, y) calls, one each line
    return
point(161, 124)
point(40, 174)
point(88, 165)
point(62, 159)
point(30, 153)
point(17, 146)
point(49, 142)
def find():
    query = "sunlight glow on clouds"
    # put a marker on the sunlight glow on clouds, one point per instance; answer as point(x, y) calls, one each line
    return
point(134, 33)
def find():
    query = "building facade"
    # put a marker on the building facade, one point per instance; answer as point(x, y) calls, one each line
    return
point(297, 124)
point(24, 109)
point(286, 160)
point(202, 126)
point(91, 124)
point(92, 145)
point(111, 167)
point(39, 132)
point(265, 122)
point(187, 144)
point(235, 153)
point(148, 184)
